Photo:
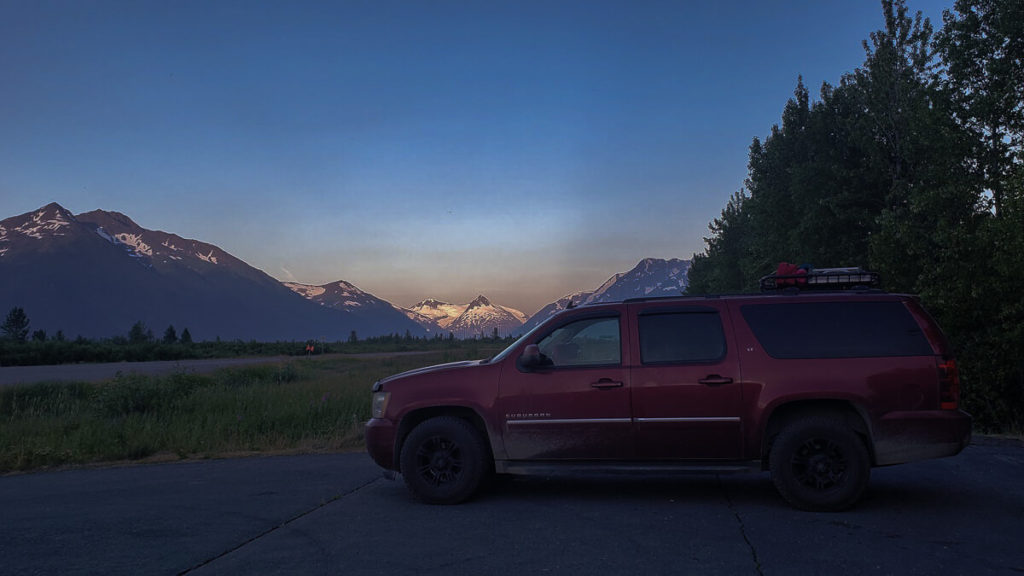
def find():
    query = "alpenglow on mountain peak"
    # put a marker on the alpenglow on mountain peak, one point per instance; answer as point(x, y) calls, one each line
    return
point(480, 300)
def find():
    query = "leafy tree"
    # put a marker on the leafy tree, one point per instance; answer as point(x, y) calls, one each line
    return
point(15, 326)
point(39, 336)
point(931, 205)
point(982, 48)
point(982, 76)
point(170, 335)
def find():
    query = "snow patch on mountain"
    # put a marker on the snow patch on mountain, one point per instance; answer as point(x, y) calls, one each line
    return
point(136, 242)
point(48, 221)
point(207, 257)
point(305, 290)
point(167, 244)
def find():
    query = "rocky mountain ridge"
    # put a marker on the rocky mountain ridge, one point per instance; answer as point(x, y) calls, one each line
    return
point(98, 273)
point(651, 277)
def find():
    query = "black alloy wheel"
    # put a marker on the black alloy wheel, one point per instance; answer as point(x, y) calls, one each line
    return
point(819, 464)
point(443, 460)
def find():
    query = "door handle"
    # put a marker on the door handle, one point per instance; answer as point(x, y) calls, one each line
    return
point(715, 380)
point(606, 383)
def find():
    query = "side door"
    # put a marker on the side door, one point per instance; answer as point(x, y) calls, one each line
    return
point(576, 404)
point(687, 394)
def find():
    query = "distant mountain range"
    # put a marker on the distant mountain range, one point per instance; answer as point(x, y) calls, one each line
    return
point(95, 274)
point(467, 320)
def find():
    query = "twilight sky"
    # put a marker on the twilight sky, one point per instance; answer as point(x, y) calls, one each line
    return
point(522, 150)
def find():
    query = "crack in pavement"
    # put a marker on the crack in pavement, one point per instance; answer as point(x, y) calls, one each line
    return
point(273, 529)
point(743, 528)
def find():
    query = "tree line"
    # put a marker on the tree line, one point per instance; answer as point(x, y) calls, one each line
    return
point(912, 166)
point(20, 346)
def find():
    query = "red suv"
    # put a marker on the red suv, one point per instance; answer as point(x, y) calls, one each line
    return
point(816, 387)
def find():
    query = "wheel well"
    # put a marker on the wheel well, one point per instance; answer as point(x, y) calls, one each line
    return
point(852, 415)
point(414, 418)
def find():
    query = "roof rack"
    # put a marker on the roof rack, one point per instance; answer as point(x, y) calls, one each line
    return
point(809, 278)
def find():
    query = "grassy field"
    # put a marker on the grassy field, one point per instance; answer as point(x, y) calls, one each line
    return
point(301, 405)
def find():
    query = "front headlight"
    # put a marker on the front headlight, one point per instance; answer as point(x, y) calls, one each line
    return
point(380, 403)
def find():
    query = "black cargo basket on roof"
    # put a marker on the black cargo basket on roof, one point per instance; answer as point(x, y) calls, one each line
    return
point(822, 279)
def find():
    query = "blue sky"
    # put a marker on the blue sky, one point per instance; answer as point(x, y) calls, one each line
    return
point(417, 149)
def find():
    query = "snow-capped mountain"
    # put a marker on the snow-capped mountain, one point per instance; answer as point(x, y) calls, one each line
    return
point(426, 322)
point(469, 320)
point(650, 278)
point(441, 313)
point(50, 222)
point(346, 297)
point(97, 273)
point(483, 318)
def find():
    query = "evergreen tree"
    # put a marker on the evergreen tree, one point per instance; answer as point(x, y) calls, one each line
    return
point(39, 336)
point(723, 265)
point(139, 333)
point(15, 326)
point(897, 167)
point(186, 336)
point(170, 335)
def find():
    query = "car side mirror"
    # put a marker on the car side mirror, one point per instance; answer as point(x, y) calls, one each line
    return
point(531, 358)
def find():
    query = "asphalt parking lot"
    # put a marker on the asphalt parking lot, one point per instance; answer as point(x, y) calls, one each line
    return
point(335, 514)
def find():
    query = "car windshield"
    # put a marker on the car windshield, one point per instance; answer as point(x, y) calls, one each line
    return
point(508, 350)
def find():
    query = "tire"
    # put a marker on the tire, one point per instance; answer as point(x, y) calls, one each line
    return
point(820, 465)
point(443, 460)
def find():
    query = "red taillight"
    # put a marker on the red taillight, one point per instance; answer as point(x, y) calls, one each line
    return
point(949, 384)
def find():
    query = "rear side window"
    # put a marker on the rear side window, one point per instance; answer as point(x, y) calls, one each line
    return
point(681, 337)
point(836, 329)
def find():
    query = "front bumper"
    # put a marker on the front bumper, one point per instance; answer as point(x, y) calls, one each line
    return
point(380, 442)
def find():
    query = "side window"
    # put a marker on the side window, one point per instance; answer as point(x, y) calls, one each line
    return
point(587, 342)
point(681, 338)
point(836, 329)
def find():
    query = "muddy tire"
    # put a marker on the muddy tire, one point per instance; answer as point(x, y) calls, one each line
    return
point(443, 460)
point(819, 464)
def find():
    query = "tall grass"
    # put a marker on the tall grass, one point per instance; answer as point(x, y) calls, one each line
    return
point(304, 404)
